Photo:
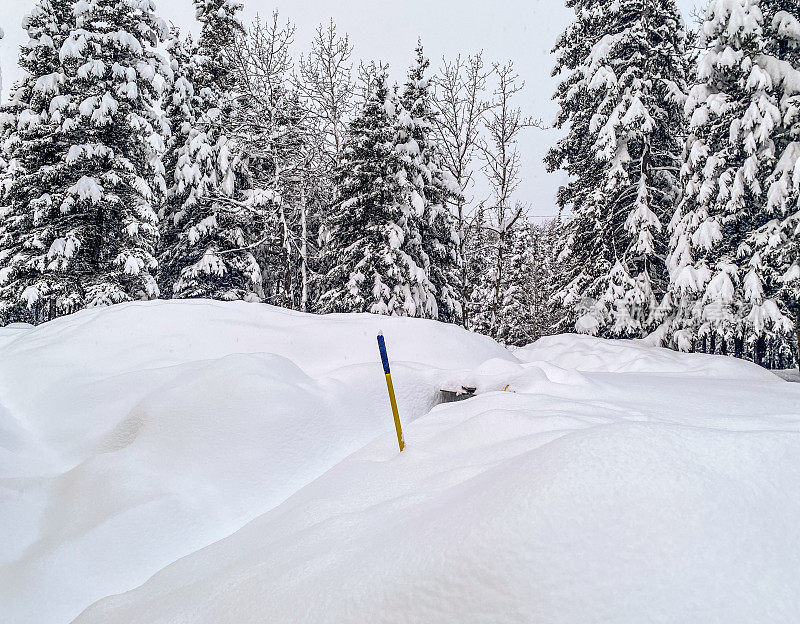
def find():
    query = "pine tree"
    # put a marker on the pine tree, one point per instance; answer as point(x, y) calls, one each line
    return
point(33, 142)
point(777, 243)
point(516, 321)
point(369, 246)
point(2, 34)
point(431, 187)
point(621, 99)
point(719, 292)
point(546, 277)
point(207, 226)
point(85, 173)
point(180, 110)
point(528, 277)
point(477, 248)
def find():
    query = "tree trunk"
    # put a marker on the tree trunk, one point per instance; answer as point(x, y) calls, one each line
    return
point(304, 249)
point(738, 347)
point(462, 258)
point(759, 349)
point(797, 334)
point(498, 280)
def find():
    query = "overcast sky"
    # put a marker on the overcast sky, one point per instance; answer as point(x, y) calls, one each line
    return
point(521, 30)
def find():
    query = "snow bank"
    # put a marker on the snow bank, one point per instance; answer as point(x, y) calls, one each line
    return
point(789, 374)
point(504, 517)
point(245, 456)
point(589, 354)
point(134, 435)
point(562, 507)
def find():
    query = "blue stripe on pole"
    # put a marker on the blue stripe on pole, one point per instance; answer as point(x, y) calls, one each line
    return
point(384, 357)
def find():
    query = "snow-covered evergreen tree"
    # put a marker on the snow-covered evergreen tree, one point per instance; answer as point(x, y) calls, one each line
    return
point(80, 227)
point(370, 246)
point(516, 323)
point(32, 144)
point(431, 187)
point(528, 277)
point(478, 271)
point(179, 107)
point(546, 277)
point(777, 244)
point(622, 101)
point(720, 280)
point(2, 34)
point(208, 228)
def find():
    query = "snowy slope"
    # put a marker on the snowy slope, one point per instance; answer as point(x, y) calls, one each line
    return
point(790, 374)
point(134, 435)
point(245, 456)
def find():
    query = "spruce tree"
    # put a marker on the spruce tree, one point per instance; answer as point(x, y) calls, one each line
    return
point(180, 109)
point(430, 187)
point(2, 34)
point(621, 99)
point(85, 174)
point(777, 243)
point(370, 245)
point(547, 271)
point(207, 227)
point(516, 321)
point(33, 143)
point(720, 280)
point(477, 249)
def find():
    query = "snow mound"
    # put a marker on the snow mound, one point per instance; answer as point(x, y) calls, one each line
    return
point(520, 508)
point(790, 374)
point(133, 435)
point(243, 459)
point(597, 355)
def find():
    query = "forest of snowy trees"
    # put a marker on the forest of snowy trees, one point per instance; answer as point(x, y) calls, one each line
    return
point(138, 163)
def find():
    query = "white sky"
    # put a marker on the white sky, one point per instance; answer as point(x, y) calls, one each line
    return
point(521, 30)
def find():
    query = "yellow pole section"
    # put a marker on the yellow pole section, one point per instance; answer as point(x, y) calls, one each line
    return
point(396, 415)
point(390, 388)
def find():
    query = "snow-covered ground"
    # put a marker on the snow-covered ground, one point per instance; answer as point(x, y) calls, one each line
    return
point(234, 463)
point(790, 374)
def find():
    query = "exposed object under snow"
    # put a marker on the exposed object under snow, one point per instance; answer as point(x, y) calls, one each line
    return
point(245, 456)
point(460, 393)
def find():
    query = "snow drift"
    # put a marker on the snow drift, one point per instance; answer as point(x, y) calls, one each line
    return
point(229, 462)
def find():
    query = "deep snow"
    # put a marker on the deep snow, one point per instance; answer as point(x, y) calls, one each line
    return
point(245, 456)
point(789, 374)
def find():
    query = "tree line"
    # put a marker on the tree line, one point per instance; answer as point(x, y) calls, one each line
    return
point(138, 163)
point(683, 149)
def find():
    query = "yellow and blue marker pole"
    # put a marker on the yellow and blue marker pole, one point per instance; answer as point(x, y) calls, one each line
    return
point(390, 387)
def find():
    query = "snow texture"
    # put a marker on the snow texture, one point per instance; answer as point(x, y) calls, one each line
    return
point(203, 461)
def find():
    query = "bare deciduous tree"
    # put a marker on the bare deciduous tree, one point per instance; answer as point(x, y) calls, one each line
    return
point(460, 105)
point(272, 130)
point(326, 82)
point(503, 124)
